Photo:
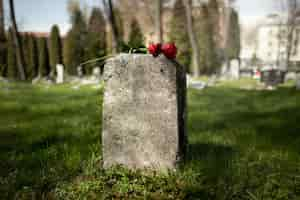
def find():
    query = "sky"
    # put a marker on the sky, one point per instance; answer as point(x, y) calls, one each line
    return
point(252, 10)
point(40, 15)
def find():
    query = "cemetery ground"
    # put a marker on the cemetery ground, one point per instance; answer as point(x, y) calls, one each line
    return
point(243, 144)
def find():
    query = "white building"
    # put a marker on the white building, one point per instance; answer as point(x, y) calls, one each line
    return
point(272, 43)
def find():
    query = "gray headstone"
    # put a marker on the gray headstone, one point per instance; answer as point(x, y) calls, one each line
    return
point(60, 73)
point(144, 112)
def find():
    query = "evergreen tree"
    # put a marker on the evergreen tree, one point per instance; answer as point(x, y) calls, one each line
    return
point(136, 37)
point(214, 13)
point(43, 57)
point(3, 55)
point(32, 58)
point(25, 44)
point(213, 9)
point(12, 72)
point(96, 40)
point(3, 45)
point(208, 56)
point(179, 34)
point(234, 43)
point(75, 43)
point(17, 42)
point(120, 26)
point(120, 35)
point(55, 48)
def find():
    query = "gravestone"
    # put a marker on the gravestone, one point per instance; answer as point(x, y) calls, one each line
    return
point(60, 73)
point(224, 69)
point(97, 72)
point(144, 112)
point(291, 76)
point(80, 71)
point(234, 69)
point(272, 77)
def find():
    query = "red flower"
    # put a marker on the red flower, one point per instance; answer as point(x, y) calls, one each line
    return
point(169, 50)
point(154, 49)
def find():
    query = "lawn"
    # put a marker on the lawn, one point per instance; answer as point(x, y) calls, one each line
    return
point(243, 144)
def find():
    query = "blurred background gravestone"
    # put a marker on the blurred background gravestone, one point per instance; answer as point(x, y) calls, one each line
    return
point(97, 73)
point(60, 73)
point(80, 71)
point(272, 77)
point(144, 112)
point(234, 69)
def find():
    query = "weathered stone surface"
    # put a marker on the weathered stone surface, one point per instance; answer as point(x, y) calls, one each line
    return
point(144, 112)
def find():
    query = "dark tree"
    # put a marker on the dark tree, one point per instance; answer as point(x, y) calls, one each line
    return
point(32, 57)
point(96, 40)
point(208, 55)
point(11, 57)
point(25, 44)
point(2, 32)
point(192, 37)
point(136, 37)
point(3, 47)
point(234, 40)
point(213, 9)
point(75, 42)
point(43, 57)
point(158, 20)
point(115, 33)
point(17, 42)
point(179, 34)
point(55, 48)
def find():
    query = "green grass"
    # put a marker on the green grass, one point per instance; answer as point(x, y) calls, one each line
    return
point(244, 144)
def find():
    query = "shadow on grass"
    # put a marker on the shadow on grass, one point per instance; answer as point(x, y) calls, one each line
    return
point(245, 141)
point(271, 116)
point(49, 141)
point(225, 124)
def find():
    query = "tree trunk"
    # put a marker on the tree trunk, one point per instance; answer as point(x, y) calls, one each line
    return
point(112, 23)
point(158, 20)
point(17, 42)
point(192, 38)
